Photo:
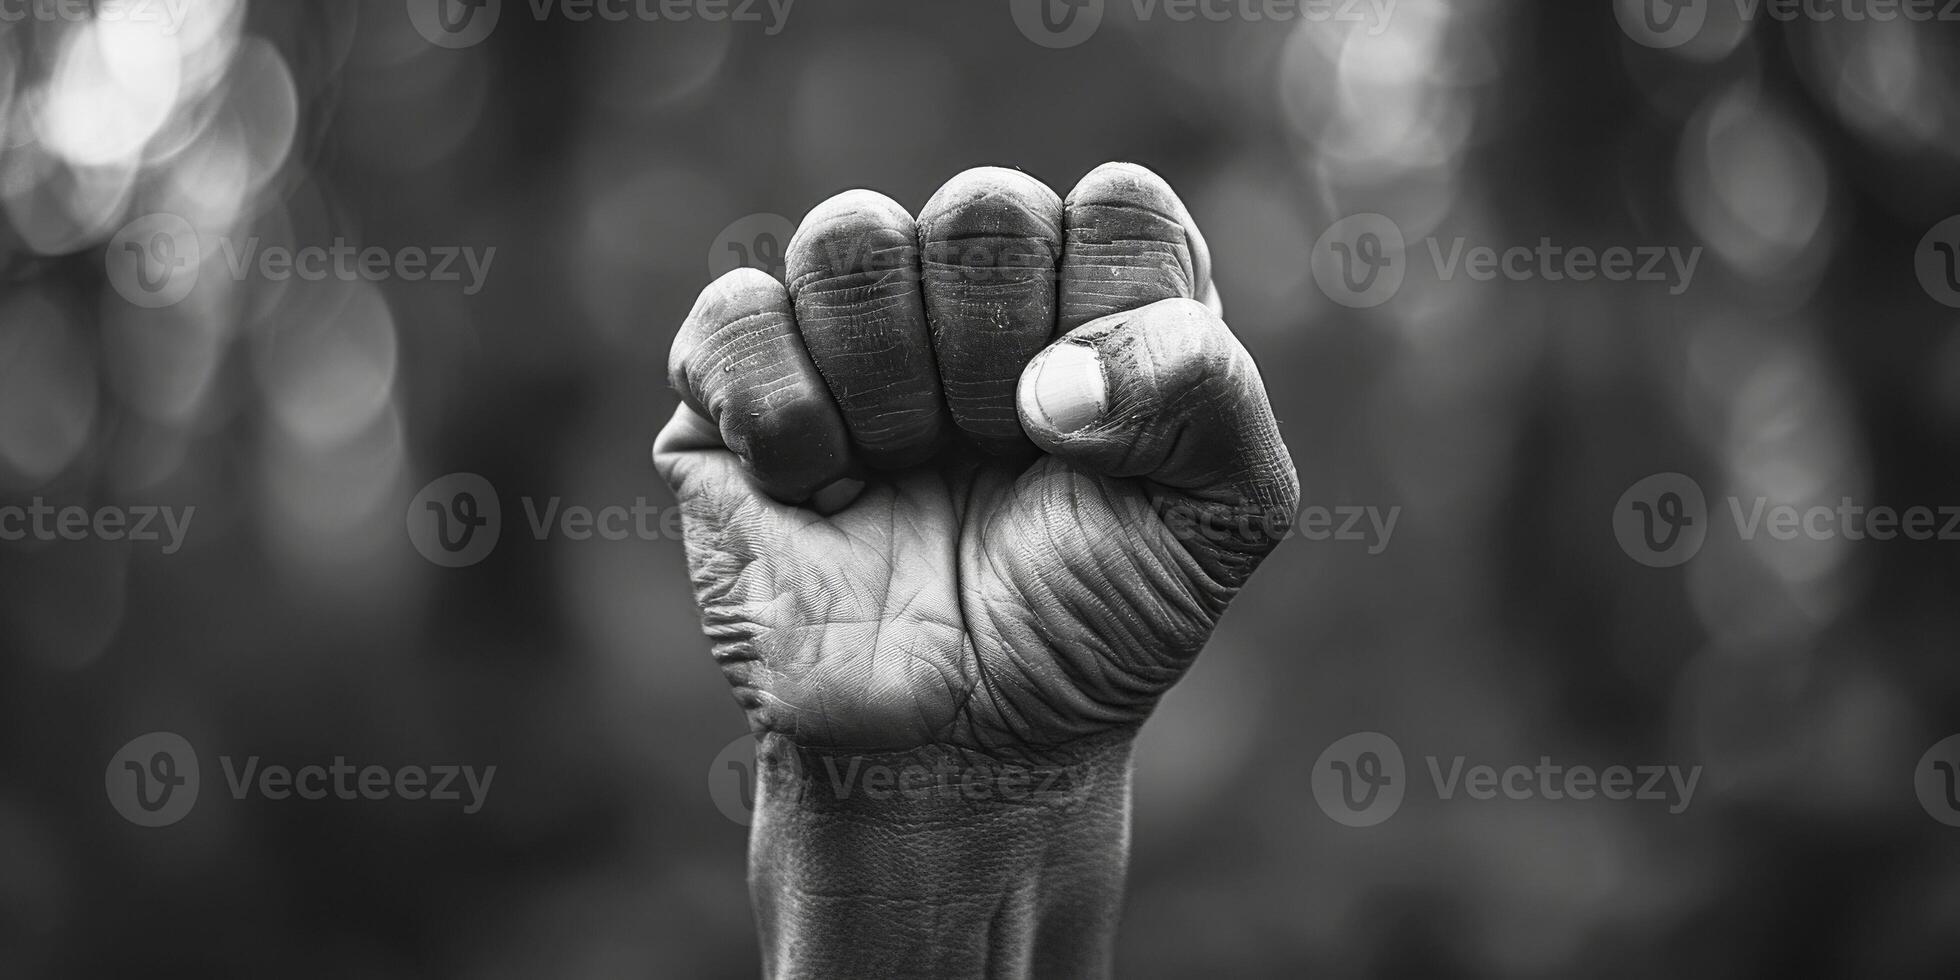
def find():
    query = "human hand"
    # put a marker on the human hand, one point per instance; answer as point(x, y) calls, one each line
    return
point(985, 481)
point(963, 500)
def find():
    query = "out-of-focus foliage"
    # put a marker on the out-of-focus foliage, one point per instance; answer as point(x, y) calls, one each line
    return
point(602, 160)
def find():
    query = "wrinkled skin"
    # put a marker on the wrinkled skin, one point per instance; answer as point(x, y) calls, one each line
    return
point(895, 543)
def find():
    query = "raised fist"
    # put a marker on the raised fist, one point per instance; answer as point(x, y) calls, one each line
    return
point(982, 481)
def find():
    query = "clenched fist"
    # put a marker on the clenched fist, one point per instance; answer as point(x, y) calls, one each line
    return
point(935, 484)
point(972, 487)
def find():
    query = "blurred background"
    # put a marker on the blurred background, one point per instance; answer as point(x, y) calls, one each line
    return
point(610, 166)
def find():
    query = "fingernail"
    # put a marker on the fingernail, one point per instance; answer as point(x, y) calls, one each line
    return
point(836, 496)
point(1066, 392)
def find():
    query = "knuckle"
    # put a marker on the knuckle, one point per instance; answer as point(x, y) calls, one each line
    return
point(856, 249)
point(1191, 347)
point(736, 295)
point(860, 217)
point(1125, 222)
point(733, 303)
point(991, 200)
point(857, 208)
point(1119, 181)
point(789, 438)
point(786, 411)
point(742, 281)
point(1115, 196)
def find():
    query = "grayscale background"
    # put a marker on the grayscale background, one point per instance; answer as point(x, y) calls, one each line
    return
point(1511, 423)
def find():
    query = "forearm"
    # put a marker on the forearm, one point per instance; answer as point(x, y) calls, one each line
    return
point(936, 864)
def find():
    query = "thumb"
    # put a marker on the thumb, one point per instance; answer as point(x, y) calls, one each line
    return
point(1166, 394)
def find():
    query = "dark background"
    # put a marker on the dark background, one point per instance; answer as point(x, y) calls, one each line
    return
point(601, 160)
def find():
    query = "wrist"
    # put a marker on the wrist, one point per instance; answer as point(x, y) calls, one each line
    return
point(939, 861)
